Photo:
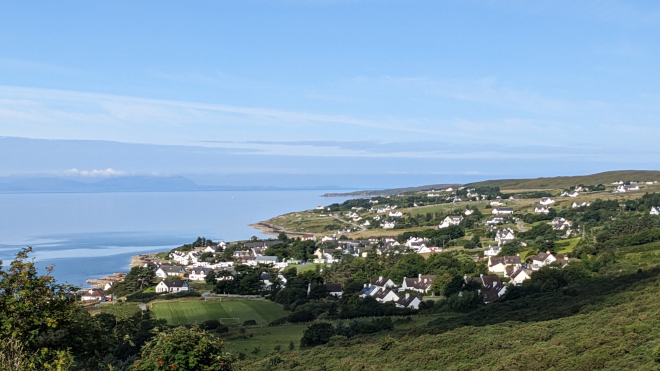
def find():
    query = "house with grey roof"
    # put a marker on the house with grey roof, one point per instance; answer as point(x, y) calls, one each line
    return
point(171, 286)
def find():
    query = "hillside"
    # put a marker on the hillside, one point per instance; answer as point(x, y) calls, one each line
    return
point(389, 192)
point(567, 181)
point(609, 323)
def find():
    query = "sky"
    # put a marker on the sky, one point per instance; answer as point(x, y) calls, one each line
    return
point(361, 94)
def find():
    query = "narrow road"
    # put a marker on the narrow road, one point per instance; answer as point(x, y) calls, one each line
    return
point(362, 228)
point(521, 226)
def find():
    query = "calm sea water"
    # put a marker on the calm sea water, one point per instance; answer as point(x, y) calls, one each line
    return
point(90, 235)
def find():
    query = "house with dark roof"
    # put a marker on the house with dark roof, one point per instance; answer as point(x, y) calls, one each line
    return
point(420, 283)
point(383, 282)
point(542, 259)
point(334, 289)
point(498, 265)
point(520, 275)
point(172, 286)
point(491, 287)
point(408, 301)
point(385, 295)
point(95, 295)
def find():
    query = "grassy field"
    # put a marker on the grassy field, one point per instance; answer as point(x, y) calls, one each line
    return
point(567, 246)
point(119, 310)
point(188, 312)
point(267, 338)
point(567, 181)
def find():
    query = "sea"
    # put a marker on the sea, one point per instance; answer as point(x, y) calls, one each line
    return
point(92, 235)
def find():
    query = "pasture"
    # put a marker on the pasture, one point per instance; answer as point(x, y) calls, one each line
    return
point(227, 312)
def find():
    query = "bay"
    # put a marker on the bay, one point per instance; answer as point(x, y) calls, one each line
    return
point(90, 235)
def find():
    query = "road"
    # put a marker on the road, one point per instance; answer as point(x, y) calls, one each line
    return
point(521, 227)
point(362, 228)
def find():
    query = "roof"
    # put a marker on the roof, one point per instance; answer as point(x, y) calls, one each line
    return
point(382, 294)
point(406, 300)
point(200, 270)
point(252, 245)
point(541, 256)
point(490, 284)
point(174, 283)
point(266, 259)
point(379, 281)
point(506, 260)
point(333, 287)
point(515, 274)
point(171, 268)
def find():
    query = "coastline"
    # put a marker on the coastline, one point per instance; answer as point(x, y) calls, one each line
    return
point(264, 227)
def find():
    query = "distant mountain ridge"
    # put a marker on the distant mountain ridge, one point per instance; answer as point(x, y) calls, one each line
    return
point(123, 184)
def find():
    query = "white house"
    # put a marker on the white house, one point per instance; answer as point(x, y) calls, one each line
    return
point(267, 260)
point(497, 203)
point(94, 295)
point(199, 274)
point(542, 259)
point(498, 265)
point(579, 204)
point(451, 220)
point(383, 282)
point(561, 224)
point(388, 225)
point(428, 249)
point(468, 212)
point(573, 194)
point(165, 271)
point(408, 301)
point(503, 211)
point(495, 220)
point(520, 275)
point(655, 210)
point(626, 188)
point(366, 223)
point(171, 286)
point(395, 214)
point(542, 210)
point(420, 283)
point(504, 236)
point(386, 295)
point(547, 201)
point(492, 251)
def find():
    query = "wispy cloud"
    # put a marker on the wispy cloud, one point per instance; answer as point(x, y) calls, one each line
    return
point(95, 173)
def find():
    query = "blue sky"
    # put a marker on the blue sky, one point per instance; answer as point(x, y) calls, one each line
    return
point(352, 93)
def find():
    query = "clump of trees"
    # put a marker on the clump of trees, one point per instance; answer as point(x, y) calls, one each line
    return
point(44, 327)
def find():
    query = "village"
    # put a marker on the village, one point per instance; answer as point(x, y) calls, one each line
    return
point(492, 221)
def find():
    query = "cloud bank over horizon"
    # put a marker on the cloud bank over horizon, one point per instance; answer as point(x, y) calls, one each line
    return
point(285, 93)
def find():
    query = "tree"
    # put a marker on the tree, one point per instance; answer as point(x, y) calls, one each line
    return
point(184, 349)
point(317, 334)
point(211, 277)
point(32, 305)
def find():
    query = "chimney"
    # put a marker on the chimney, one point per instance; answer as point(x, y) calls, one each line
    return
point(420, 277)
point(365, 286)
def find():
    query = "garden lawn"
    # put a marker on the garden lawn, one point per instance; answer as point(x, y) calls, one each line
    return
point(227, 312)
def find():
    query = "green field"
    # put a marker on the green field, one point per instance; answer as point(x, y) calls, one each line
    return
point(188, 312)
point(267, 338)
